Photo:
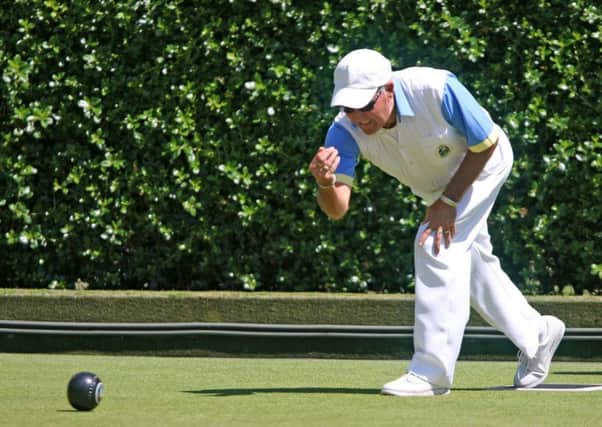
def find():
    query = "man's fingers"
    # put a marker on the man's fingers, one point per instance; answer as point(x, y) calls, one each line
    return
point(425, 235)
point(448, 236)
point(440, 236)
point(325, 159)
point(335, 164)
point(330, 158)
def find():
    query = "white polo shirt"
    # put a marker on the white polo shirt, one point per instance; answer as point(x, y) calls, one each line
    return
point(438, 120)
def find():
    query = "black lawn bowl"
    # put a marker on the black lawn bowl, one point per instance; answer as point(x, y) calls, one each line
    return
point(85, 391)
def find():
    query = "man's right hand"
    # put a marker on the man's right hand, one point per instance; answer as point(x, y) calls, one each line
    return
point(324, 164)
point(333, 197)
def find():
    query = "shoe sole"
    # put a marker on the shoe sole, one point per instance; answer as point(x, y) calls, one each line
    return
point(554, 347)
point(434, 392)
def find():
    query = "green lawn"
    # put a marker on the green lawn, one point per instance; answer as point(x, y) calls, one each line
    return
point(154, 391)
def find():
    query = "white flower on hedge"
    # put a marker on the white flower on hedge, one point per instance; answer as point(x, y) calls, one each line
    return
point(332, 48)
point(30, 127)
point(250, 85)
point(271, 111)
point(83, 104)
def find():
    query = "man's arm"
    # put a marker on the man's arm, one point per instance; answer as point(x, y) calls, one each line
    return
point(334, 200)
point(461, 110)
point(333, 197)
point(440, 216)
point(469, 170)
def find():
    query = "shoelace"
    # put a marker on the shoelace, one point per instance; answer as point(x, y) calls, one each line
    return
point(412, 378)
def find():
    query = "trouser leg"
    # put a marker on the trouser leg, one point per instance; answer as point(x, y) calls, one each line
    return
point(498, 300)
point(444, 282)
point(442, 308)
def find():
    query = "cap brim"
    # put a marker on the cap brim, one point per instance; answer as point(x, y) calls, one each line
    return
point(352, 97)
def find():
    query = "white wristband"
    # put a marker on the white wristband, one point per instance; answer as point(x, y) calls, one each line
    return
point(333, 181)
point(448, 201)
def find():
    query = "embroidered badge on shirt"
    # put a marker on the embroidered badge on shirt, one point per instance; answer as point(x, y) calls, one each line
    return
point(443, 151)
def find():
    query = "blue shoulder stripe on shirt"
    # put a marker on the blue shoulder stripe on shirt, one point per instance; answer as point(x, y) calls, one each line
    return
point(463, 112)
point(340, 138)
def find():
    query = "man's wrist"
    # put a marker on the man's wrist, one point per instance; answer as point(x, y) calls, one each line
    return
point(448, 201)
point(333, 181)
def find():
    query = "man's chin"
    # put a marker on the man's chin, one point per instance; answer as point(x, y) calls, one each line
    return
point(370, 130)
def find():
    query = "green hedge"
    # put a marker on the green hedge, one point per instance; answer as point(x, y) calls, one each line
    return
point(164, 144)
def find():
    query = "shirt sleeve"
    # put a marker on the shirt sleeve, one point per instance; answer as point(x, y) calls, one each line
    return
point(465, 114)
point(340, 138)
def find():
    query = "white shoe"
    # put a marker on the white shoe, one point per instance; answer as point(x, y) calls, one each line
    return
point(412, 385)
point(532, 372)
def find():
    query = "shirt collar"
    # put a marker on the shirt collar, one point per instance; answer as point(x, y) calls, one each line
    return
point(401, 101)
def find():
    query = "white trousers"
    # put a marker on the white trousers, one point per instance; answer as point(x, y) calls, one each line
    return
point(465, 274)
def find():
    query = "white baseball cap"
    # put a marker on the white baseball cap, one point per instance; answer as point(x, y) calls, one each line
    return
point(357, 76)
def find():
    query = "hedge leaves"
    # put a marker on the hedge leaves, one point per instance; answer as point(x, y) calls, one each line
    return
point(164, 144)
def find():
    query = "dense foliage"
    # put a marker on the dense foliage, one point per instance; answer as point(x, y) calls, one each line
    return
point(164, 144)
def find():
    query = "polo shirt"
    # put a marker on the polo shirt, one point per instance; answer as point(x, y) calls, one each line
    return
point(438, 120)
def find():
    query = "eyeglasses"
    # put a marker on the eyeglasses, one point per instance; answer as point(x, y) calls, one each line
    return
point(367, 107)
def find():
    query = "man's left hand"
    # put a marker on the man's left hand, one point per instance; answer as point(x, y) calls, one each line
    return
point(441, 220)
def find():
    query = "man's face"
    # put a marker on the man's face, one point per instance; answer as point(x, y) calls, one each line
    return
point(376, 114)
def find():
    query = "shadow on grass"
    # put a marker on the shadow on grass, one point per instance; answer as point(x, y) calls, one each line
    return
point(318, 390)
point(493, 388)
point(224, 392)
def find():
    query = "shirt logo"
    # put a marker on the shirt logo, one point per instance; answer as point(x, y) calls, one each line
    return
point(443, 151)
